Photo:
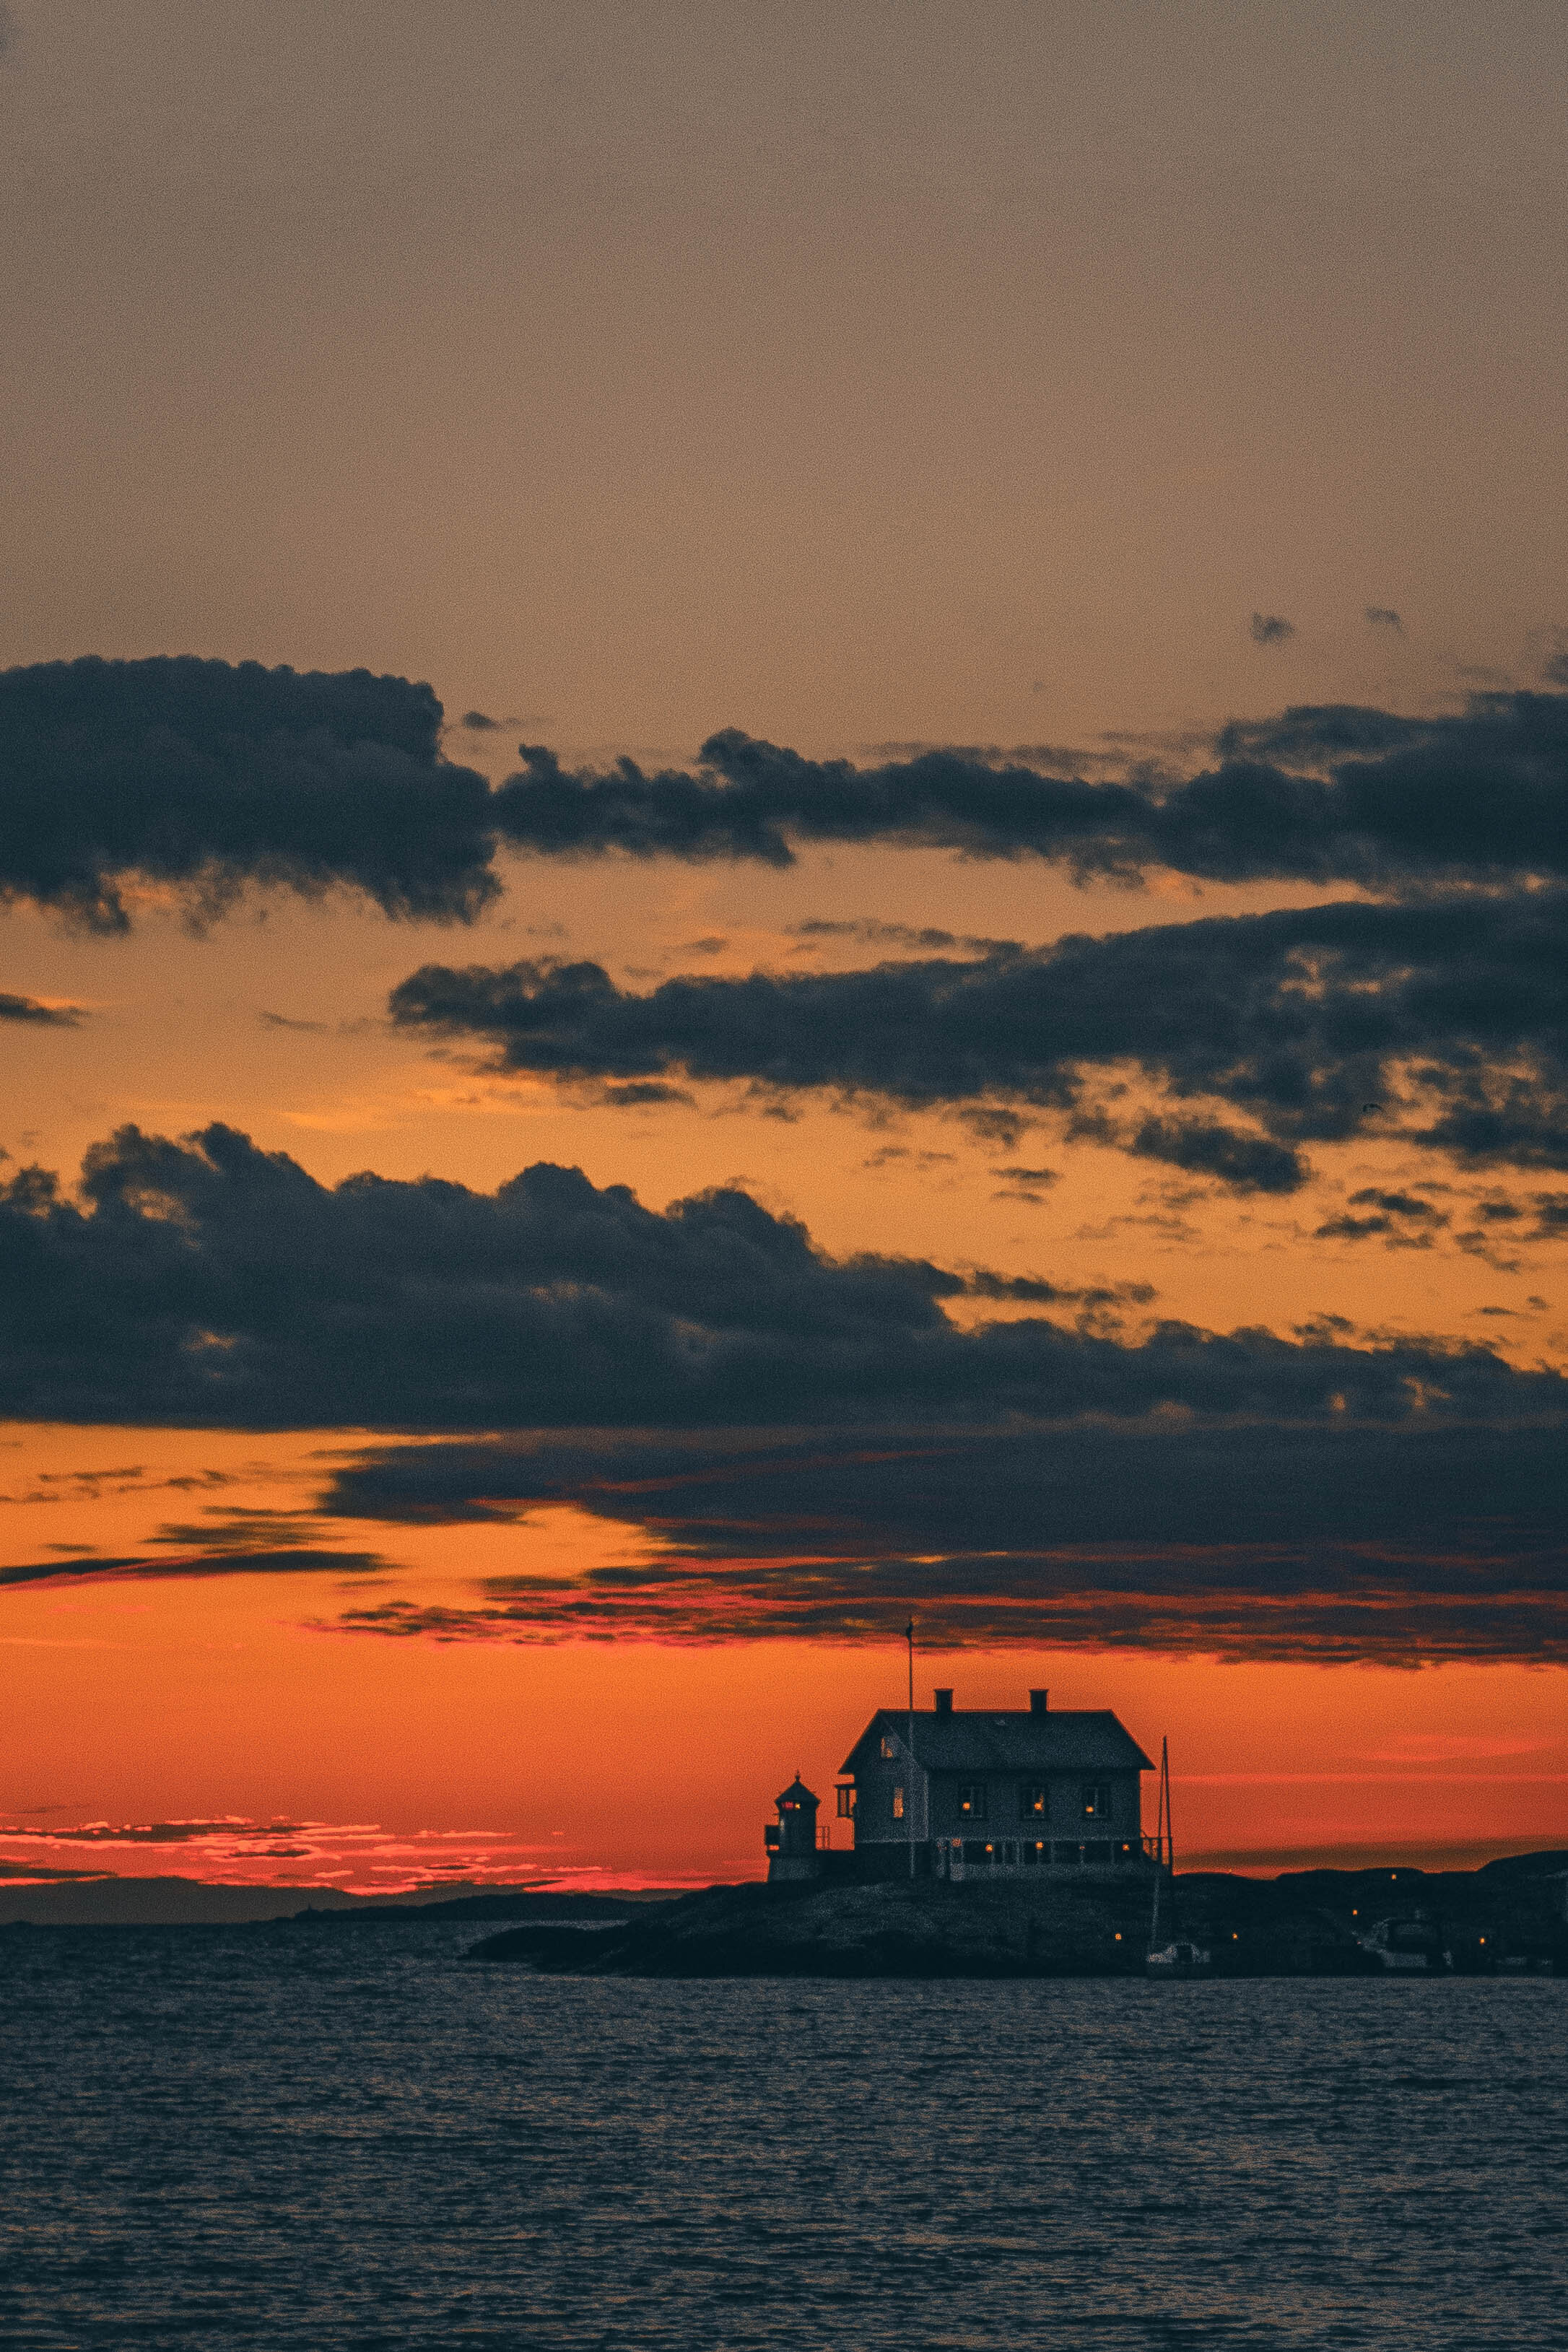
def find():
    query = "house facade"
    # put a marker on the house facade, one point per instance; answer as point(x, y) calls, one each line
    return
point(987, 1793)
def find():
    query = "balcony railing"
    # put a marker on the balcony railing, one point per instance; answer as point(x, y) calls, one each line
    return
point(964, 1857)
point(1059, 1853)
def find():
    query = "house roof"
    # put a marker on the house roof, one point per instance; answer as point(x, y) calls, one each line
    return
point(987, 1740)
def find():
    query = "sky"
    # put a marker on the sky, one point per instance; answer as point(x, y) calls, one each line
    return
point(782, 844)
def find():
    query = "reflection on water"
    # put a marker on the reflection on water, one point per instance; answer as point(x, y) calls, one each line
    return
point(347, 2135)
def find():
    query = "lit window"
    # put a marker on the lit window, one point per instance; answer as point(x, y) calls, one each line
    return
point(846, 1804)
point(1034, 1802)
point(897, 1804)
point(972, 1801)
point(890, 1746)
point(1096, 1803)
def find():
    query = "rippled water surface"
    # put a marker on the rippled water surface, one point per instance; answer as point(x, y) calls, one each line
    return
point(347, 2135)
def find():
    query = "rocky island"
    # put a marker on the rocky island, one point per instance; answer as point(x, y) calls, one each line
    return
point(1308, 1923)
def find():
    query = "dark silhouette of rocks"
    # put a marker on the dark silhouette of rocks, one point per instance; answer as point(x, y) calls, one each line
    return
point(1307, 1923)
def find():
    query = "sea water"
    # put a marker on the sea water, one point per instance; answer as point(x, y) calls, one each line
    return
point(349, 2135)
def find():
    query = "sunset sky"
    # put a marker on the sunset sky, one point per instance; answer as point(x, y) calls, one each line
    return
point(784, 839)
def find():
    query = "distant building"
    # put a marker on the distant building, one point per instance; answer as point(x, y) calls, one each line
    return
point(985, 1793)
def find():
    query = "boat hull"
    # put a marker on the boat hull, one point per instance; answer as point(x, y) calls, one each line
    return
point(1179, 1960)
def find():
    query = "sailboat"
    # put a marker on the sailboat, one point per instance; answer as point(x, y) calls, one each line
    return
point(1181, 1957)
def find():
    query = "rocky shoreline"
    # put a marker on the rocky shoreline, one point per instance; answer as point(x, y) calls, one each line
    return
point(1301, 1923)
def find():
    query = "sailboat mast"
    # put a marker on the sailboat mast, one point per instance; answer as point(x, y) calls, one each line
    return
point(909, 1794)
point(1170, 1832)
point(1162, 1826)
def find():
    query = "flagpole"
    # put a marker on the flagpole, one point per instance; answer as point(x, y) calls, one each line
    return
point(910, 1806)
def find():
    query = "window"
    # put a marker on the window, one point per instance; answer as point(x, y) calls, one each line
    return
point(976, 1853)
point(897, 1804)
point(971, 1800)
point(1034, 1802)
point(1096, 1801)
point(889, 1745)
point(1035, 1852)
point(846, 1804)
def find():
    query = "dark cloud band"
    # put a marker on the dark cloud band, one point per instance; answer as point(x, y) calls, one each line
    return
point(206, 1282)
point(203, 776)
point(1320, 793)
point(1267, 1540)
point(817, 1445)
point(1305, 1022)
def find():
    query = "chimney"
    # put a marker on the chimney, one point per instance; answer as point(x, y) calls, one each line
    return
point(943, 1702)
point(1040, 1702)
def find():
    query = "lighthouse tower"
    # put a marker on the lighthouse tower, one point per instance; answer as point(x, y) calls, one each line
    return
point(791, 1841)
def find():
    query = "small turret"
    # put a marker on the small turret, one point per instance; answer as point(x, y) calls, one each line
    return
point(791, 1841)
